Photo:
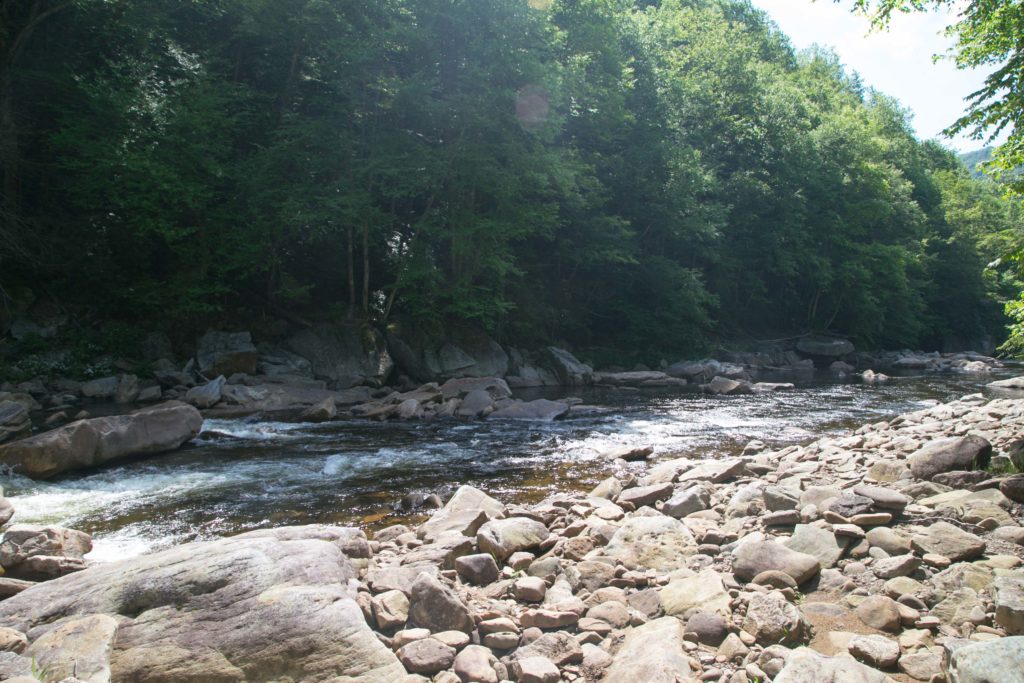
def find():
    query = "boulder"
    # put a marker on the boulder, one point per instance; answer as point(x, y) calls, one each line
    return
point(206, 395)
point(996, 661)
point(818, 543)
point(1013, 383)
point(1009, 601)
point(559, 647)
point(652, 653)
point(275, 361)
point(477, 403)
point(128, 389)
point(345, 355)
point(945, 455)
point(38, 553)
point(772, 619)
point(88, 443)
point(723, 386)
point(249, 607)
point(754, 557)
point(1013, 488)
point(942, 538)
point(825, 347)
point(226, 353)
point(14, 421)
point(100, 388)
point(290, 401)
point(805, 665)
point(568, 370)
point(705, 592)
point(658, 542)
point(875, 650)
point(502, 537)
point(463, 352)
point(880, 612)
point(436, 607)
point(473, 665)
point(78, 647)
point(540, 410)
point(496, 387)
point(426, 656)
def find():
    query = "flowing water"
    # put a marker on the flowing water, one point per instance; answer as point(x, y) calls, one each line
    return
point(248, 474)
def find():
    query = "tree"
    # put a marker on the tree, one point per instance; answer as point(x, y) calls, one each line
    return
point(989, 34)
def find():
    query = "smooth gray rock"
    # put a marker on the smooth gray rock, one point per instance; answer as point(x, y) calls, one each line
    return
point(87, 443)
point(945, 455)
point(825, 347)
point(568, 370)
point(540, 410)
point(755, 557)
point(942, 538)
point(502, 537)
point(206, 395)
point(344, 355)
point(818, 543)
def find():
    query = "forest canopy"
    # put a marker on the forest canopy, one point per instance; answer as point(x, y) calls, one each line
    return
point(607, 173)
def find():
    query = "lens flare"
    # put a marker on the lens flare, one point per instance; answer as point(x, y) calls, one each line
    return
point(532, 106)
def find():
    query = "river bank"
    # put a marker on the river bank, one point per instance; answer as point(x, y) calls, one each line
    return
point(885, 543)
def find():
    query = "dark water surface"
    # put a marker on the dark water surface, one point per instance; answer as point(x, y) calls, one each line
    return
point(258, 474)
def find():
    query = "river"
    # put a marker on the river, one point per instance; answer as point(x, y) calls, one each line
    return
point(249, 474)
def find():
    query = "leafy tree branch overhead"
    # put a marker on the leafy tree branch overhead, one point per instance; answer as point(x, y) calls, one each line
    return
point(989, 35)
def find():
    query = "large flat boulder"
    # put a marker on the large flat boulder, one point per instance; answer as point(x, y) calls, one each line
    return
point(462, 352)
point(997, 661)
point(825, 347)
point(658, 542)
point(88, 443)
point(344, 355)
point(248, 608)
point(969, 452)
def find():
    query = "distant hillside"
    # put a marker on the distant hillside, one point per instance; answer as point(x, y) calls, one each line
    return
point(972, 159)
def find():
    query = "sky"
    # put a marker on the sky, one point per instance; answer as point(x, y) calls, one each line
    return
point(897, 62)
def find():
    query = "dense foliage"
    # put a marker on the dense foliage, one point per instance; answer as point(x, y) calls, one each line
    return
point(609, 173)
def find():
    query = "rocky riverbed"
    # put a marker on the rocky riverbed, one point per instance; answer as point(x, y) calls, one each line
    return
point(890, 553)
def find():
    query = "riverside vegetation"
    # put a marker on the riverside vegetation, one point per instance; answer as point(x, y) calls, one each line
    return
point(636, 178)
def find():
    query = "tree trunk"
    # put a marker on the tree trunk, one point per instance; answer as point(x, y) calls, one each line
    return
point(366, 269)
point(351, 275)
